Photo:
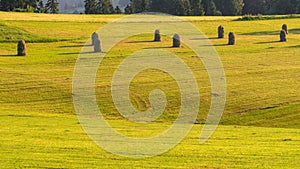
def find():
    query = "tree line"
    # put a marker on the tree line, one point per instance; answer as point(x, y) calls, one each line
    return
point(38, 6)
point(199, 7)
point(173, 7)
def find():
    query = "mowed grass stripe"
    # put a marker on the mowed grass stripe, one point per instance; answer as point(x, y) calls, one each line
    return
point(57, 141)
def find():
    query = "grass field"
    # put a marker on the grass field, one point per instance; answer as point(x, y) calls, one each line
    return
point(260, 127)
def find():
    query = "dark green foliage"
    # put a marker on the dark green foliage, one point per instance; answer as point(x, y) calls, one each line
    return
point(159, 6)
point(128, 9)
point(118, 10)
point(51, 6)
point(210, 8)
point(139, 6)
point(6, 5)
point(179, 7)
point(98, 7)
point(104, 7)
point(269, 17)
point(255, 7)
point(173, 7)
point(41, 7)
point(286, 7)
point(271, 7)
point(198, 7)
point(90, 6)
point(19, 5)
point(230, 7)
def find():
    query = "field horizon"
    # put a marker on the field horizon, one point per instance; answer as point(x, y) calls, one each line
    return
point(260, 127)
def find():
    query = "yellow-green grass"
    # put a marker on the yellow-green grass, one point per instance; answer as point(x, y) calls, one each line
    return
point(38, 123)
point(44, 140)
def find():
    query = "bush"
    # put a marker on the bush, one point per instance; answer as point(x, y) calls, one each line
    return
point(266, 17)
point(28, 9)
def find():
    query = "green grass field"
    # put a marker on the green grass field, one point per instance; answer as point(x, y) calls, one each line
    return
point(260, 127)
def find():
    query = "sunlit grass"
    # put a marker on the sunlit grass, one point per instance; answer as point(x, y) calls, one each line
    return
point(39, 128)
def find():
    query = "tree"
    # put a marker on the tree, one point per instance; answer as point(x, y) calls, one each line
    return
point(21, 5)
point(118, 10)
point(196, 8)
point(41, 7)
point(187, 7)
point(210, 8)
point(104, 7)
point(90, 6)
point(286, 7)
point(7, 5)
point(98, 7)
point(128, 9)
point(139, 6)
point(254, 7)
point(32, 3)
point(230, 7)
point(51, 6)
point(160, 6)
point(177, 7)
point(173, 7)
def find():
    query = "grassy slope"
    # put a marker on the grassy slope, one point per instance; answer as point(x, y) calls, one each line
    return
point(263, 90)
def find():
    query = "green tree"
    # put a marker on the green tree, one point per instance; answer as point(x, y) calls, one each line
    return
point(118, 10)
point(160, 6)
point(41, 7)
point(254, 7)
point(187, 7)
point(139, 6)
point(90, 6)
point(21, 5)
point(177, 8)
point(51, 6)
point(98, 7)
point(210, 8)
point(196, 8)
point(128, 9)
point(104, 7)
point(7, 5)
point(230, 7)
point(173, 7)
point(285, 7)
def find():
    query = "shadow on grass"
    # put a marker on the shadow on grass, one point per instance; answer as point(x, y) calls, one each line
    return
point(268, 42)
point(291, 31)
point(212, 38)
point(76, 53)
point(216, 45)
point(297, 46)
point(75, 46)
point(294, 31)
point(263, 33)
point(163, 47)
point(143, 41)
point(11, 56)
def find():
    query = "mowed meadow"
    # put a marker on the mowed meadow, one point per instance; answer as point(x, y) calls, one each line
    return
point(260, 127)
